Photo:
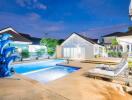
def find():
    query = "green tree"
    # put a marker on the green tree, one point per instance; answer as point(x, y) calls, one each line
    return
point(115, 44)
point(50, 44)
point(114, 41)
point(51, 51)
point(60, 41)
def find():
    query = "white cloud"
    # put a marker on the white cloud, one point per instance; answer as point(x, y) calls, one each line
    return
point(41, 6)
point(30, 23)
point(32, 4)
point(100, 31)
point(21, 3)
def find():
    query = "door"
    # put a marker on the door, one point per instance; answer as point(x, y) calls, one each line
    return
point(78, 53)
point(81, 53)
point(66, 52)
point(74, 53)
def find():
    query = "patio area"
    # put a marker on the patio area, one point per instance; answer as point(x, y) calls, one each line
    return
point(74, 86)
point(26, 89)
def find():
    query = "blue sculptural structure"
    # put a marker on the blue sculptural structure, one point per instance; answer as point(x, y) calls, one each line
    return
point(6, 55)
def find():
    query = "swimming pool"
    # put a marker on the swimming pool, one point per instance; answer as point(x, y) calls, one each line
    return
point(44, 71)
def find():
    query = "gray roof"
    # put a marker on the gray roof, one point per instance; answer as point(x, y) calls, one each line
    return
point(117, 34)
point(16, 35)
point(86, 38)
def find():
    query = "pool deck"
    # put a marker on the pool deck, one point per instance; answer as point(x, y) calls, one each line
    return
point(25, 89)
point(74, 86)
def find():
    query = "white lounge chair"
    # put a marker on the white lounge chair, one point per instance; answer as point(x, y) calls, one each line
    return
point(109, 73)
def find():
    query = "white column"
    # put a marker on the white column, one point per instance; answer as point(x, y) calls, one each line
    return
point(130, 48)
point(124, 48)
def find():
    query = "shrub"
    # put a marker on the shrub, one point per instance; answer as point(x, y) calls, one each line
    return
point(114, 54)
point(119, 54)
point(97, 56)
point(40, 52)
point(25, 53)
point(51, 51)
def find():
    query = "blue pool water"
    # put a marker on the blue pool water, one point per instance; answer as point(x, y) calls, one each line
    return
point(44, 71)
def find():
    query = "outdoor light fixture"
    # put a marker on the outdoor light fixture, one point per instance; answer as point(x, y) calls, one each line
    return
point(130, 10)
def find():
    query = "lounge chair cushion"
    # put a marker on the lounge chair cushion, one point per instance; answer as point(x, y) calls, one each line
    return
point(105, 71)
point(101, 72)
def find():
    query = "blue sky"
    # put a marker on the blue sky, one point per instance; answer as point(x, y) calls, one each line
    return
point(59, 18)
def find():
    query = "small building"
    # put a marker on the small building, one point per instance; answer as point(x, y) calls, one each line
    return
point(19, 41)
point(124, 40)
point(23, 41)
point(107, 39)
point(35, 46)
point(79, 47)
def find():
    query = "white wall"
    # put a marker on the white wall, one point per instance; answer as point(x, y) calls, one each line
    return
point(34, 48)
point(76, 43)
point(89, 51)
point(99, 50)
point(125, 42)
point(109, 39)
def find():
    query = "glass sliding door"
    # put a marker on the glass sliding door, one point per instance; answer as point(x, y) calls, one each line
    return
point(82, 53)
point(66, 52)
point(74, 53)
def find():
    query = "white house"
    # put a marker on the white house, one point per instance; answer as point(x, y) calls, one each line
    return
point(23, 41)
point(126, 43)
point(79, 47)
point(124, 40)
